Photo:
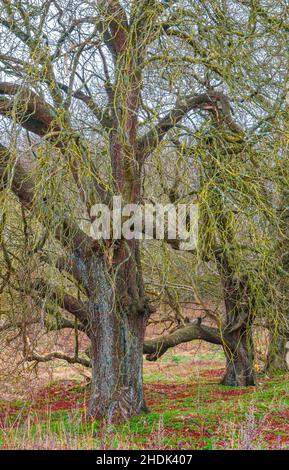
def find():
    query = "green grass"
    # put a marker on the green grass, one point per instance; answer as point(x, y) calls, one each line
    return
point(192, 411)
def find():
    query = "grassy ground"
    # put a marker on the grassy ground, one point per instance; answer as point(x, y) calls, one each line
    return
point(189, 410)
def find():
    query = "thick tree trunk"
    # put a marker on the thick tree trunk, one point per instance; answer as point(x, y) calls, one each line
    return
point(240, 360)
point(118, 320)
point(276, 357)
point(238, 327)
point(117, 363)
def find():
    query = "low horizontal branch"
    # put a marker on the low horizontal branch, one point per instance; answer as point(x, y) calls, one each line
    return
point(57, 355)
point(155, 348)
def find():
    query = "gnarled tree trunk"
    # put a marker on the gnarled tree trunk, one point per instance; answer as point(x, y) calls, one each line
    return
point(240, 360)
point(117, 362)
point(118, 320)
point(238, 327)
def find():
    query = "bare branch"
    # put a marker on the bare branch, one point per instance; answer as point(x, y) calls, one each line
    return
point(215, 102)
point(28, 108)
point(57, 355)
point(22, 185)
point(101, 115)
point(155, 348)
point(66, 301)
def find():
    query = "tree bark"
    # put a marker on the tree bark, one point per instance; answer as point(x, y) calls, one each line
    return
point(155, 348)
point(276, 357)
point(117, 364)
point(118, 318)
point(238, 327)
point(240, 360)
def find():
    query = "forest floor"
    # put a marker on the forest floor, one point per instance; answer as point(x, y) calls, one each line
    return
point(189, 410)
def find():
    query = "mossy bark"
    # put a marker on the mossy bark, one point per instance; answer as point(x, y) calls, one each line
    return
point(117, 363)
point(118, 319)
point(238, 326)
point(240, 360)
point(276, 357)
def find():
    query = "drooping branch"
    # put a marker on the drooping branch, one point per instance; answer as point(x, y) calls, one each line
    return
point(274, 21)
point(22, 185)
point(157, 347)
point(58, 324)
point(37, 116)
point(27, 108)
point(66, 301)
point(12, 325)
point(154, 348)
point(101, 115)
